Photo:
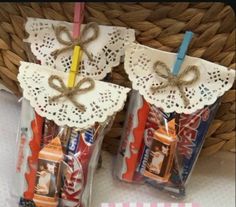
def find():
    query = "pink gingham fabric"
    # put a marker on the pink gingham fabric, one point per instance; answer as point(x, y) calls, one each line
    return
point(149, 205)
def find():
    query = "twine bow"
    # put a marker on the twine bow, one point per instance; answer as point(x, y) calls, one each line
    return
point(70, 92)
point(81, 41)
point(176, 81)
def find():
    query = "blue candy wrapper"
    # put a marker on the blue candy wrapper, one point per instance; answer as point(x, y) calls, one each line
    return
point(191, 130)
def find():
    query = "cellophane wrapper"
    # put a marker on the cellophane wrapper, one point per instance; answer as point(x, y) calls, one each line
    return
point(55, 165)
point(160, 149)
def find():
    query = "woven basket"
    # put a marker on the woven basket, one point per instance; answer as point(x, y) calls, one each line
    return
point(158, 25)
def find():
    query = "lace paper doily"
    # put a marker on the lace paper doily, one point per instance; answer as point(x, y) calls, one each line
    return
point(102, 101)
point(107, 49)
point(214, 80)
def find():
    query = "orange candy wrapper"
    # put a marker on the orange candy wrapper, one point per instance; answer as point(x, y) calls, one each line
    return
point(48, 175)
point(161, 155)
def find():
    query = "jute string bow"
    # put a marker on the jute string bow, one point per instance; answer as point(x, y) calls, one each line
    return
point(81, 41)
point(176, 81)
point(70, 93)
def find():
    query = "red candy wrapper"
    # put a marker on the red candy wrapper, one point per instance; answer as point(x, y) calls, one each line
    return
point(80, 149)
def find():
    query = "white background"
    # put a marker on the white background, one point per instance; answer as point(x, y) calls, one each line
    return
point(212, 183)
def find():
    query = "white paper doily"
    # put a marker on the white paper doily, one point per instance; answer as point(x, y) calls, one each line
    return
point(104, 100)
point(214, 80)
point(107, 49)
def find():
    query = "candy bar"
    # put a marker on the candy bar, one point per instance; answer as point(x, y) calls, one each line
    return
point(156, 118)
point(64, 134)
point(50, 131)
point(73, 141)
point(30, 176)
point(25, 135)
point(161, 153)
point(132, 137)
point(80, 149)
point(48, 181)
point(191, 133)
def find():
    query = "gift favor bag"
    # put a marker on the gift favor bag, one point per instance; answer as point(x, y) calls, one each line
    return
point(173, 102)
point(60, 137)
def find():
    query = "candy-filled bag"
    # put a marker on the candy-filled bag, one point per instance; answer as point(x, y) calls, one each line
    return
point(60, 140)
point(69, 108)
point(58, 163)
point(166, 147)
point(170, 110)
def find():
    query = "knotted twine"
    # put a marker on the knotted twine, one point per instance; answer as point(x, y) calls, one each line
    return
point(81, 41)
point(176, 80)
point(70, 93)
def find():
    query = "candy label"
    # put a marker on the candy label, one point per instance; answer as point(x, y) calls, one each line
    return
point(161, 153)
point(48, 181)
point(88, 136)
point(73, 141)
point(188, 131)
point(73, 182)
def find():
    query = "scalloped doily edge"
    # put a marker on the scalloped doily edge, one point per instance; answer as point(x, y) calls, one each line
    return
point(89, 124)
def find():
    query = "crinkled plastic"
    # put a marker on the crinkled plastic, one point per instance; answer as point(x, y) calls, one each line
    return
point(55, 164)
point(161, 149)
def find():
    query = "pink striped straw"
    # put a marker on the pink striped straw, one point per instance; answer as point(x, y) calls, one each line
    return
point(78, 18)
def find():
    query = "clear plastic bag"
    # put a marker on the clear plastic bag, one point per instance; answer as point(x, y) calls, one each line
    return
point(161, 149)
point(75, 164)
point(55, 165)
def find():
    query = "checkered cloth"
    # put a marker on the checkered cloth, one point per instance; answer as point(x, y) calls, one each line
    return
point(149, 205)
